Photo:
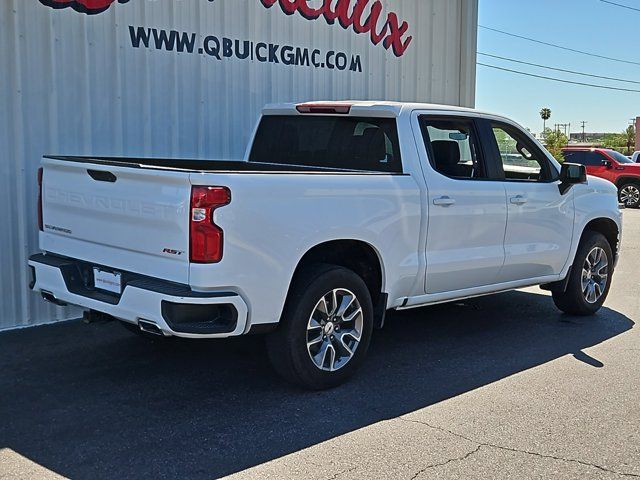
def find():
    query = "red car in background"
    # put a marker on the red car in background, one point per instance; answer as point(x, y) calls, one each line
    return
point(612, 166)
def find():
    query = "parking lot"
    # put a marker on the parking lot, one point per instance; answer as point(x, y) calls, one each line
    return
point(495, 387)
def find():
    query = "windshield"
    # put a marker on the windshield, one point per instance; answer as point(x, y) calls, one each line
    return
point(618, 157)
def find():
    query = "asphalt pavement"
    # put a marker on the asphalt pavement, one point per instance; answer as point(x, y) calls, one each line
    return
point(496, 387)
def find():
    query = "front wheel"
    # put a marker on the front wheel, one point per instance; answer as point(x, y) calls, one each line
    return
point(590, 277)
point(629, 195)
point(325, 328)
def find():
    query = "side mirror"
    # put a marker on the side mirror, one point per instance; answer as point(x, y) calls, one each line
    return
point(607, 164)
point(571, 174)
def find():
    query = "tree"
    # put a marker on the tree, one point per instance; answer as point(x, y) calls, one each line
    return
point(621, 142)
point(545, 114)
point(615, 141)
point(630, 134)
point(555, 141)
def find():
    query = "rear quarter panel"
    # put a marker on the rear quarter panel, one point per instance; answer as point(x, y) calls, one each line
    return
point(274, 219)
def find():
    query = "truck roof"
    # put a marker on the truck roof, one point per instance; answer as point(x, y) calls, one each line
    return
point(377, 108)
point(584, 147)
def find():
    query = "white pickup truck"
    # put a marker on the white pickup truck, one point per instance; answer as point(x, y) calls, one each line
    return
point(339, 213)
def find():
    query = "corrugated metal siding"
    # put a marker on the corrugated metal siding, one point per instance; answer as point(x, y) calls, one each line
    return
point(72, 84)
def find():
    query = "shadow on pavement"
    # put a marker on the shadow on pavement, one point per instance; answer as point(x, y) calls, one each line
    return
point(96, 401)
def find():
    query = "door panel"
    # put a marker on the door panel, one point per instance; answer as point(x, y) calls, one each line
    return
point(464, 240)
point(594, 162)
point(539, 230)
point(467, 212)
point(540, 219)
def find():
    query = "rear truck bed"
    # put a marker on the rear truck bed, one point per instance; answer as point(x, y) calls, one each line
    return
point(116, 234)
point(142, 239)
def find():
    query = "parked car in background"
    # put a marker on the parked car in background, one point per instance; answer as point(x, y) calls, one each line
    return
point(635, 158)
point(340, 212)
point(605, 163)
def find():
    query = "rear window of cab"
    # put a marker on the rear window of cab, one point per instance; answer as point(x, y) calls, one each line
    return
point(349, 143)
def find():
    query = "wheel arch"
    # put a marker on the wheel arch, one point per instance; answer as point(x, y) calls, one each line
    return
point(357, 255)
point(606, 227)
point(624, 179)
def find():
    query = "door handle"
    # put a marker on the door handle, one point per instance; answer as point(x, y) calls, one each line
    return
point(518, 200)
point(444, 201)
point(102, 176)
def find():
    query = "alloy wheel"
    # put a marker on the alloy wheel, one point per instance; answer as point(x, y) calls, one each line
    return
point(630, 195)
point(595, 275)
point(334, 330)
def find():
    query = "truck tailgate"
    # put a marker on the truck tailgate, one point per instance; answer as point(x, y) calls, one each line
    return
point(133, 219)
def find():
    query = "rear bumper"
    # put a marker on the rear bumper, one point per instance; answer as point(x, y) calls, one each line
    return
point(175, 309)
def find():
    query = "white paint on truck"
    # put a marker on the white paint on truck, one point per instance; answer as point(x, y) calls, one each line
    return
point(437, 236)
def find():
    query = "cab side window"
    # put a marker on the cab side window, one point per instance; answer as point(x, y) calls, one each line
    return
point(452, 147)
point(521, 160)
point(589, 158)
point(575, 156)
point(594, 159)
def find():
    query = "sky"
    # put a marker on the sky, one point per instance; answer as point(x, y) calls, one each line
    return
point(588, 25)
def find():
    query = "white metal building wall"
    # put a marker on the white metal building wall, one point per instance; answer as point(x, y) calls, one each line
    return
point(73, 84)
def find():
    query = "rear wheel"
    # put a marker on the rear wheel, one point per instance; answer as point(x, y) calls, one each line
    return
point(590, 277)
point(325, 329)
point(629, 195)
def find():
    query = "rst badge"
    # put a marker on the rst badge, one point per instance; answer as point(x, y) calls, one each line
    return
point(171, 251)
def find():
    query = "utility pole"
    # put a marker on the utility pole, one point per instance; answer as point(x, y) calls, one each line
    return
point(564, 127)
point(584, 136)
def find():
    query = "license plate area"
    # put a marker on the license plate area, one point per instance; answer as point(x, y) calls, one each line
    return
point(107, 281)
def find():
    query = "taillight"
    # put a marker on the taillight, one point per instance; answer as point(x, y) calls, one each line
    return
point(206, 236)
point(40, 222)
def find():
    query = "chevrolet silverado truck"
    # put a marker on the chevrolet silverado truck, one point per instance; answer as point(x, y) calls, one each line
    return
point(340, 212)
point(611, 165)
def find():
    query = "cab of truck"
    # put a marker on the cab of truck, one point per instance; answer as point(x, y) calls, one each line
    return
point(605, 163)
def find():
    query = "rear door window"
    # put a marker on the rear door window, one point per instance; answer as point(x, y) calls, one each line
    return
point(350, 143)
point(594, 159)
point(574, 156)
point(589, 158)
point(453, 148)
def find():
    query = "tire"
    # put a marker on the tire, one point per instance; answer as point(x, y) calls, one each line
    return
point(629, 194)
point(586, 289)
point(310, 317)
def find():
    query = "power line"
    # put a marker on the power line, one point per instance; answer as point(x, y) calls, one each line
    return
point(621, 5)
point(582, 52)
point(557, 79)
point(558, 69)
